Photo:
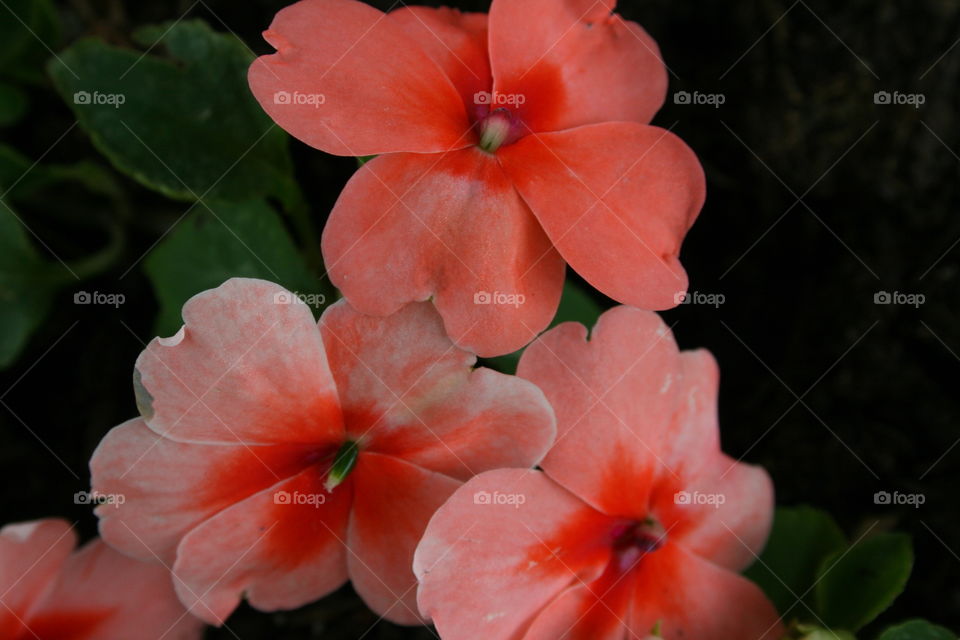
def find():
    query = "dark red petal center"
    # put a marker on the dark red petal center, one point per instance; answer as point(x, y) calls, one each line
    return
point(633, 540)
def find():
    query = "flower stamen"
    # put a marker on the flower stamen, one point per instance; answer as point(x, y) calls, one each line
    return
point(633, 540)
point(497, 128)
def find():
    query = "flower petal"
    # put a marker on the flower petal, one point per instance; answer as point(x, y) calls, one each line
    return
point(617, 200)
point(280, 550)
point(131, 599)
point(408, 227)
point(31, 556)
point(695, 439)
point(248, 367)
point(408, 392)
point(456, 41)
point(348, 81)
point(614, 401)
point(392, 494)
point(575, 62)
point(596, 611)
point(503, 546)
point(731, 525)
point(694, 598)
point(733, 533)
point(156, 490)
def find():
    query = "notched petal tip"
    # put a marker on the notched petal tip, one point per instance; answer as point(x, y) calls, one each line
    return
point(600, 14)
point(278, 41)
point(173, 340)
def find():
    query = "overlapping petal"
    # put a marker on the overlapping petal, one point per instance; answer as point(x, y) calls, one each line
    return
point(347, 80)
point(407, 391)
point(732, 525)
point(616, 200)
point(49, 591)
point(452, 227)
point(732, 531)
point(131, 599)
point(488, 562)
point(393, 502)
point(583, 612)
point(247, 367)
point(599, 610)
point(695, 441)
point(282, 547)
point(614, 398)
point(156, 490)
point(694, 598)
point(575, 62)
point(32, 555)
point(456, 41)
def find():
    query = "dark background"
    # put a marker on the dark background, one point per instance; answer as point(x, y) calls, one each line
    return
point(836, 396)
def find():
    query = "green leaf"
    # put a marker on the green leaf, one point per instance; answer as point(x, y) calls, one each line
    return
point(576, 305)
point(857, 584)
point(801, 538)
point(29, 31)
point(13, 104)
point(28, 281)
point(13, 167)
point(186, 126)
point(27, 180)
point(213, 245)
point(917, 630)
point(28, 284)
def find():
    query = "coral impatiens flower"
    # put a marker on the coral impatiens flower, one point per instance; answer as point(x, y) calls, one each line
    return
point(275, 460)
point(509, 145)
point(637, 518)
point(48, 591)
